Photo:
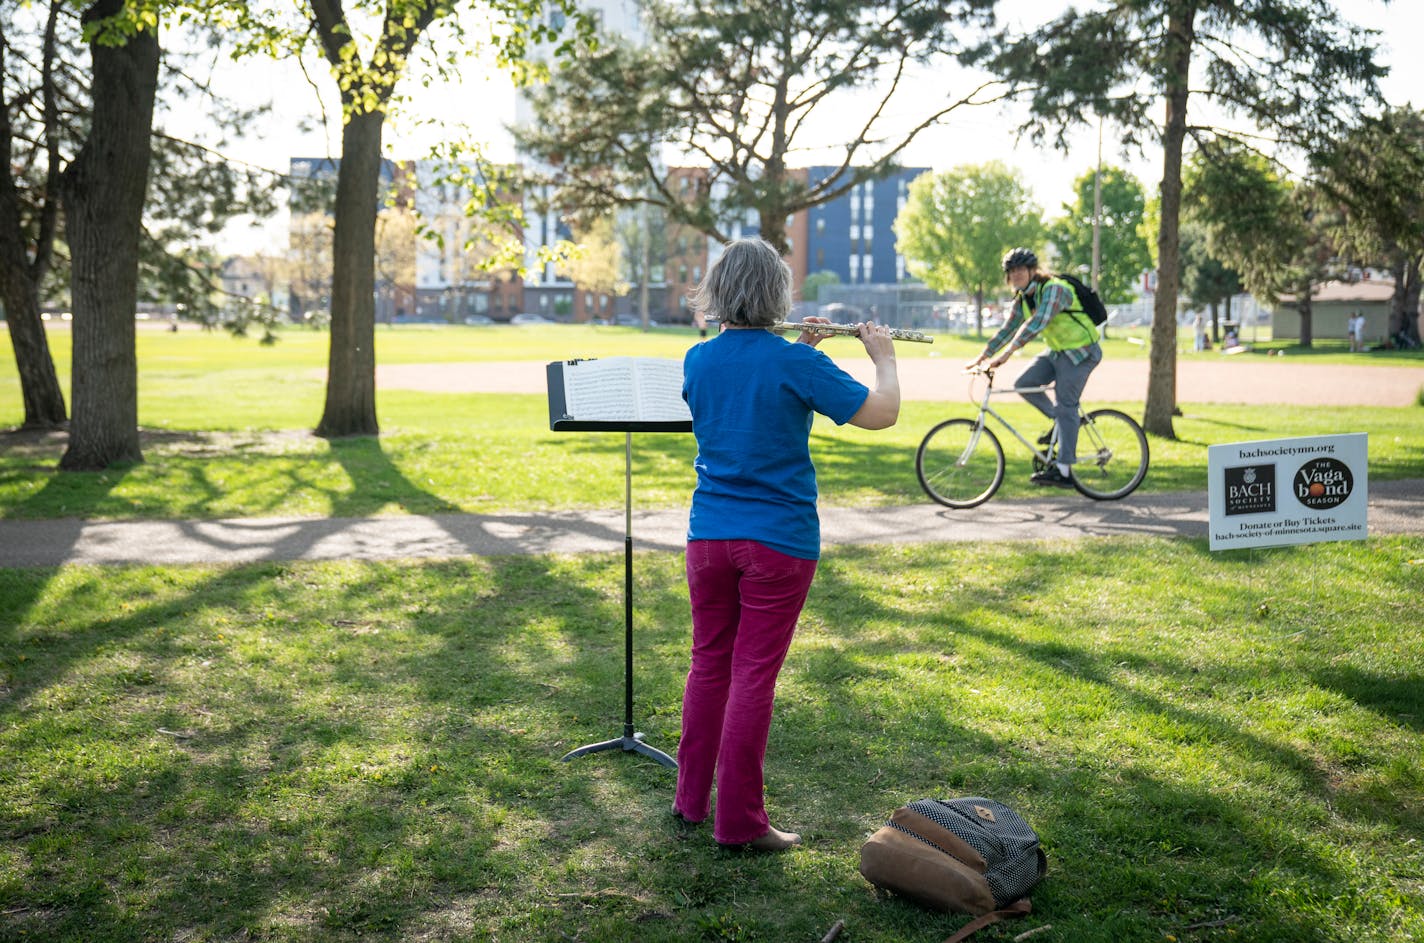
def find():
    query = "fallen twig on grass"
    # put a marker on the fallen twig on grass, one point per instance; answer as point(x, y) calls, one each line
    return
point(833, 932)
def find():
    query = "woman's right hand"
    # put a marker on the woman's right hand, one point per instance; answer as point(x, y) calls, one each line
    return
point(877, 340)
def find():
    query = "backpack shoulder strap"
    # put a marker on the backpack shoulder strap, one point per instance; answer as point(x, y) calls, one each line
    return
point(1073, 289)
point(1019, 908)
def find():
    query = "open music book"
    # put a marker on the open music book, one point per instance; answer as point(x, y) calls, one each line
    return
point(615, 393)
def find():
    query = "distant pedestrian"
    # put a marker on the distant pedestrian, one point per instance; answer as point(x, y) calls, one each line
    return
point(1355, 328)
point(1199, 328)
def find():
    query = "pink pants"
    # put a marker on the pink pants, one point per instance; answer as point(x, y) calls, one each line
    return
point(746, 598)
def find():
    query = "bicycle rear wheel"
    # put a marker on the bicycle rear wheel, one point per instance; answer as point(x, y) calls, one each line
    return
point(960, 463)
point(1112, 455)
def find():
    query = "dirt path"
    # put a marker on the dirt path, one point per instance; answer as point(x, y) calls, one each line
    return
point(934, 379)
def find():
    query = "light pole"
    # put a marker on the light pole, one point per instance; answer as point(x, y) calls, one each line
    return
point(1098, 214)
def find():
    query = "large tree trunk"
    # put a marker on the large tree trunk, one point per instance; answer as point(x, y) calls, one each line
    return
point(1409, 320)
point(351, 367)
point(1162, 366)
point(39, 385)
point(104, 191)
point(1404, 304)
point(1303, 306)
point(773, 230)
point(24, 262)
point(645, 263)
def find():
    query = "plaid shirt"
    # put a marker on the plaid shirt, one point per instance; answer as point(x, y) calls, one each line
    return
point(1050, 300)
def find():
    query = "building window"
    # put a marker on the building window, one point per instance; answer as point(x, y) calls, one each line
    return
point(820, 258)
point(820, 226)
point(854, 269)
point(697, 273)
point(854, 232)
point(866, 266)
point(682, 273)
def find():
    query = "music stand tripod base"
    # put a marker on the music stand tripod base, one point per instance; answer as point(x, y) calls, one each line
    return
point(630, 742)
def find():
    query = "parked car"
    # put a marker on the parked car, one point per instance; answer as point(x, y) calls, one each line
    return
point(531, 319)
point(479, 319)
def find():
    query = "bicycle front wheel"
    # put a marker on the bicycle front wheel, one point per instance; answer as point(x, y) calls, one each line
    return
point(960, 463)
point(1112, 455)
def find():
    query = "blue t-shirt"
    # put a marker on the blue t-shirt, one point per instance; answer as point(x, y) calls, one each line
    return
point(753, 395)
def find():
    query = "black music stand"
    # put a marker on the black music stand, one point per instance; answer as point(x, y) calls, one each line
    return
point(561, 419)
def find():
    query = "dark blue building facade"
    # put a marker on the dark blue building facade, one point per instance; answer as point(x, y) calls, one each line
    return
point(854, 236)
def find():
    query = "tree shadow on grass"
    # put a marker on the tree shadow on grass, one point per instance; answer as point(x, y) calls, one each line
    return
point(1397, 697)
point(348, 785)
point(377, 483)
point(373, 750)
point(1183, 829)
point(78, 494)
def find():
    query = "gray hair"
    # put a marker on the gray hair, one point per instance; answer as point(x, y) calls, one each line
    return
point(749, 285)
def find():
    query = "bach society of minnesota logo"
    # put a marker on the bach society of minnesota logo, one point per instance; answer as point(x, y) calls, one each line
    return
point(1250, 489)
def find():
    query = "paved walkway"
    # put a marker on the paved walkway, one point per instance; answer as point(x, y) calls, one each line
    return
point(1395, 507)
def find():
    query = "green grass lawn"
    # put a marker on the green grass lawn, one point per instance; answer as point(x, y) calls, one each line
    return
point(342, 751)
point(227, 435)
point(1214, 747)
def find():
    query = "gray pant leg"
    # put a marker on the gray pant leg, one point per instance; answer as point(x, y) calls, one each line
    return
point(1068, 387)
point(1039, 373)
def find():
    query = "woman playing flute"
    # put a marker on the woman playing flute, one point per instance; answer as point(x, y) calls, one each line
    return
point(753, 533)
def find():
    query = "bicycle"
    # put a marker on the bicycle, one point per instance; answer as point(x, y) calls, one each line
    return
point(960, 462)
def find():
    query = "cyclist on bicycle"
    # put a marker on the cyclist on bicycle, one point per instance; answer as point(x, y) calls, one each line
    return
point(1047, 306)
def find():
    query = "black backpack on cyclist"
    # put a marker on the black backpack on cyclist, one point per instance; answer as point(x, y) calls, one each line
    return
point(1090, 301)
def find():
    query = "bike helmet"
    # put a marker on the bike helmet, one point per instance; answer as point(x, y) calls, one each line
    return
point(1020, 258)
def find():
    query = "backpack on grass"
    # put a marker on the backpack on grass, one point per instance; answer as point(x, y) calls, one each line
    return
point(973, 856)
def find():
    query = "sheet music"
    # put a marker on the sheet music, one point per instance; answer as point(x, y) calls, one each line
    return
point(625, 389)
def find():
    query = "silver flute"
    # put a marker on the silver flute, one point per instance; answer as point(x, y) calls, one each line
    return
point(850, 330)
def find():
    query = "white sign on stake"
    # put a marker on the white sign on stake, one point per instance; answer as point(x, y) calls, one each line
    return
point(1288, 491)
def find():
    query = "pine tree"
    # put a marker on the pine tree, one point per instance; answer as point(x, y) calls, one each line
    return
point(1292, 67)
point(732, 85)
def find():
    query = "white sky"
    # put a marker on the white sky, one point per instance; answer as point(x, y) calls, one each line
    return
point(485, 104)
